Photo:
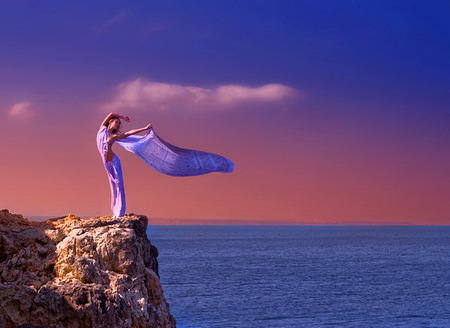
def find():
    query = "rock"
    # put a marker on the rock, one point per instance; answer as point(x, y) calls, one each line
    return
point(69, 272)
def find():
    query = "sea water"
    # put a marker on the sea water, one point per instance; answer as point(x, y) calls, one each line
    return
point(305, 276)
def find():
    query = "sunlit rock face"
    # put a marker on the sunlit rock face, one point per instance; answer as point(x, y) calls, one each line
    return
point(69, 272)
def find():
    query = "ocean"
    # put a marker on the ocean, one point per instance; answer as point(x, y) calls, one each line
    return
point(305, 276)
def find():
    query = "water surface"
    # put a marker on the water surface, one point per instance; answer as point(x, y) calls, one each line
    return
point(305, 276)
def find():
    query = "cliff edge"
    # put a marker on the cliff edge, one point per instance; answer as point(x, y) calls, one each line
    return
point(74, 273)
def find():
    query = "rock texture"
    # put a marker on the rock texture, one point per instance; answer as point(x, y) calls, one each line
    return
point(70, 272)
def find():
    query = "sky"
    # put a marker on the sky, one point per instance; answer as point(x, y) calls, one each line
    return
point(334, 112)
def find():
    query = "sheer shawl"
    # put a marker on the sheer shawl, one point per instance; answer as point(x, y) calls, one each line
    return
point(173, 160)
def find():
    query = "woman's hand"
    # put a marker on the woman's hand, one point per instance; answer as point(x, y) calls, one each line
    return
point(126, 118)
point(149, 126)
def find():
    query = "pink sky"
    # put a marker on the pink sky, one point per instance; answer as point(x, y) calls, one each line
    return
point(287, 170)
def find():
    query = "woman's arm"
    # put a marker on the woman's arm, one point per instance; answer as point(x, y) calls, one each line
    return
point(108, 117)
point(131, 132)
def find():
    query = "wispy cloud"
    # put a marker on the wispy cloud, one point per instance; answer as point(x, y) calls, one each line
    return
point(105, 26)
point(153, 30)
point(146, 95)
point(21, 110)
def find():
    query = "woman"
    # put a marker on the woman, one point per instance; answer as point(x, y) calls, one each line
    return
point(155, 152)
point(109, 133)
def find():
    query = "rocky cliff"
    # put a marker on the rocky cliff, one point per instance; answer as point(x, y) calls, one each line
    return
point(69, 272)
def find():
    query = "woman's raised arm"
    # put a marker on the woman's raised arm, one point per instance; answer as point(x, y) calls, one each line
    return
point(131, 132)
point(110, 115)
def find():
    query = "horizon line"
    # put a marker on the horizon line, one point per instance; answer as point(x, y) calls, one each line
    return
point(246, 222)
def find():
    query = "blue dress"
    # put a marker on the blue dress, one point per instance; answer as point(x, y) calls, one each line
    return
point(114, 172)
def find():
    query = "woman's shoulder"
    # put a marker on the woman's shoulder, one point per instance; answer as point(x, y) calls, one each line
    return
point(102, 129)
point(102, 134)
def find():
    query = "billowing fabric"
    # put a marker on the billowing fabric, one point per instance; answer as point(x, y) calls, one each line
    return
point(114, 172)
point(172, 160)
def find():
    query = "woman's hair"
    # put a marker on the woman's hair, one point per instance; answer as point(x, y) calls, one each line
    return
point(115, 131)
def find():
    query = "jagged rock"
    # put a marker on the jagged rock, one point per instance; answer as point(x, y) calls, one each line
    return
point(69, 272)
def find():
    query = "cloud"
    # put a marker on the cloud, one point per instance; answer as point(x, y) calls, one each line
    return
point(144, 95)
point(21, 110)
point(153, 30)
point(108, 24)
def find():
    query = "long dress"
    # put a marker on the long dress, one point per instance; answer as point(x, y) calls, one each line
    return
point(161, 156)
point(114, 172)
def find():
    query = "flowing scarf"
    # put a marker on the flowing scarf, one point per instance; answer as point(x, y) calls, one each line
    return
point(173, 160)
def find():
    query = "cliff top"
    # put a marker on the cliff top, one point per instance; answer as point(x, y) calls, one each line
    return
point(72, 272)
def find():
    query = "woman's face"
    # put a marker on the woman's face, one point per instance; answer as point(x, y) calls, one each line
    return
point(114, 124)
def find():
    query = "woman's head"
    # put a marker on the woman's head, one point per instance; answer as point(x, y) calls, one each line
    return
point(114, 124)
